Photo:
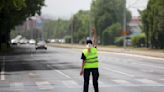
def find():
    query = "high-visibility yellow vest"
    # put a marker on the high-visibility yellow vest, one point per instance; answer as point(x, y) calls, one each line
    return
point(91, 58)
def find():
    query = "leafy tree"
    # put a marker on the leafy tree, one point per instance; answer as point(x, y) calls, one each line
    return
point(56, 28)
point(80, 26)
point(153, 21)
point(119, 41)
point(111, 33)
point(106, 13)
point(14, 12)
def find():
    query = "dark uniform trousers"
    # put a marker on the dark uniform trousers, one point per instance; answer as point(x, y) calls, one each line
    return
point(95, 76)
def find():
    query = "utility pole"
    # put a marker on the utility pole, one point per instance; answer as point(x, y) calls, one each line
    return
point(124, 25)
point(90, 35)
point(72, 28)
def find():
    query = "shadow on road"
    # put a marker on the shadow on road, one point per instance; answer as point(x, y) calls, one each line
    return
point(24, 65)
point(15, 61)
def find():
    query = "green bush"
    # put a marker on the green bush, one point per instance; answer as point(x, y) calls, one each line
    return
point(110, 33)
point(139, 40)
point(119, 41)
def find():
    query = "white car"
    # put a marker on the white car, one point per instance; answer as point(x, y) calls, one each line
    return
point(14, 42)
point(32, 41)
point(23, 41)
point(41, 45)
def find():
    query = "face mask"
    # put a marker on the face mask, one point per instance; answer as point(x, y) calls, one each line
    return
point(89, 45)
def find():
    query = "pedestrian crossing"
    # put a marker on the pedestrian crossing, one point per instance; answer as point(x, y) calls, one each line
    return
point(44, 85)
point(49, 85)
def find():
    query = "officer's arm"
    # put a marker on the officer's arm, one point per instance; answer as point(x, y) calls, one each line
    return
point(82, 68)
point(94, 37)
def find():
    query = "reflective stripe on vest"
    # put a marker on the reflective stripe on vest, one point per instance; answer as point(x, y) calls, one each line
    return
point(91, 58)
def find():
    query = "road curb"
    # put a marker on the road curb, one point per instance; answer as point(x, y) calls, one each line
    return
point(116, 50)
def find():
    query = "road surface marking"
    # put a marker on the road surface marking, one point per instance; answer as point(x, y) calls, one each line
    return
point(147, 57)
point(147, 81)
point(63, 74)
point(149, 71)
point(101, 84)
point(70, 83)
point(162, 79)
point(150, 65)
point(44, 85)
point(116, 71)
point(2, 73)
point(32, 74)
point(17, 85)
point(121, 81)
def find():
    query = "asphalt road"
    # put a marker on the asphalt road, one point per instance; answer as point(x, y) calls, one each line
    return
point(57, 70)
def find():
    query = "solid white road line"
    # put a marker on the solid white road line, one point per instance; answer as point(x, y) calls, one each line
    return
point(63, 74)
point(153, 66)
point(140, 56)
point(44, 85)
point(2, 73)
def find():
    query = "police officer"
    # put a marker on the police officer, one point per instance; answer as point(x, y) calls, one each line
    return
point(90, 63)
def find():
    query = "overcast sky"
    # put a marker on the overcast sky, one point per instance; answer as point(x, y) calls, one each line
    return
point(66, 8)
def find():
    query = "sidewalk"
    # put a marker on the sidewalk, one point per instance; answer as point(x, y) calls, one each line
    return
point(136, 51)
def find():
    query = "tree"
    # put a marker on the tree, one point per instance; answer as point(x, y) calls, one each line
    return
point(79, 26)
point(153, 21)
point(56, 28)
point(111, 33)
point(14, 12)
point(106, 13)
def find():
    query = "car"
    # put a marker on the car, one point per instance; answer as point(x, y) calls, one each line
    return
point(14, 42)
point(41, 45)
point(23, 41)
point(32, 41)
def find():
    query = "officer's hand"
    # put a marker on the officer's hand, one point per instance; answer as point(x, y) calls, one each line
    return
point(81, 72)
